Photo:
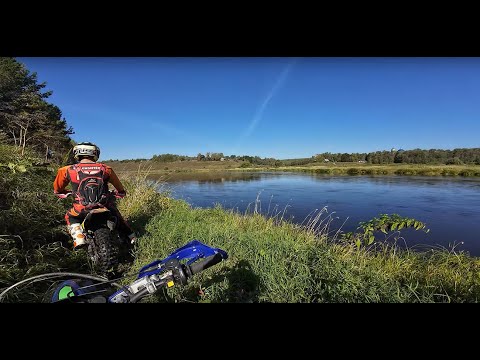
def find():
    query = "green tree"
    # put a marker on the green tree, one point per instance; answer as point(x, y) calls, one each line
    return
point(27, 119)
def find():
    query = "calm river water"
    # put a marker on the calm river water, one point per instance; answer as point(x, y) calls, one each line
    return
point(449, 206)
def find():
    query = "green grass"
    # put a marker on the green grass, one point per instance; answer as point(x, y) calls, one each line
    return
point(33, 237)
point(275, 261)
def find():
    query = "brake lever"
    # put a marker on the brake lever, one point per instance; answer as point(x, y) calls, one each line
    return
point(63, 196)
point(117, 195)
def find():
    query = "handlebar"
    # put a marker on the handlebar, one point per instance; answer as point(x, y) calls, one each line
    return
point(173, 272)
point(116, 194)
point(144, 292)
point(176, 269)
point(181, 273)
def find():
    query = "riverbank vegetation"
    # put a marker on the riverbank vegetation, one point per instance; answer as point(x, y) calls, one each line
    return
point(179, 168)
point(461, 156)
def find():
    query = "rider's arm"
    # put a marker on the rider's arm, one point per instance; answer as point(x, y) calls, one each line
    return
point(61, 181)
point(113, 179)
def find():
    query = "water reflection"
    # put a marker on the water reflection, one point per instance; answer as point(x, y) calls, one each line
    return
point(207, 177)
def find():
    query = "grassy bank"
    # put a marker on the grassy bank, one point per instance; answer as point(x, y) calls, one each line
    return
point(175, 169)
point(33, 238)
point(396, 169)
point(274, 261)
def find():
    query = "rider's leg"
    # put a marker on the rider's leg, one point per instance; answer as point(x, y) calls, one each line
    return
point(74, 221)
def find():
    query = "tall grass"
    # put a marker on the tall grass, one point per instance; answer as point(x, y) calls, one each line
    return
point(33, 237)
point(281, 262)
point(144, 198)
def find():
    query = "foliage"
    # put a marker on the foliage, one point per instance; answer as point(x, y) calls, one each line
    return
point(384, 223)
point(144, 199)
point(27, 119)
point(33, 237)
point(459, 156)
point(28, 207)
point(169, 158)
point(414, 157)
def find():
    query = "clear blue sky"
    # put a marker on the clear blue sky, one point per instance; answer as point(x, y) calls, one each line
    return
point(270, 107)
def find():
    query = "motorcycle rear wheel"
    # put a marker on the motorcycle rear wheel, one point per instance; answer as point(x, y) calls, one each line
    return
point(103, 251)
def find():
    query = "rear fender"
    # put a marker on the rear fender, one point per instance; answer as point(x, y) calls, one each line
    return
point(97, 218)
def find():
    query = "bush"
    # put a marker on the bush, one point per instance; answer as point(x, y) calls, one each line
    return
point(454, 161)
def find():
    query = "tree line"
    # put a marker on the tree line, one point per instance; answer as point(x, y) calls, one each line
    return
point(27, 119)
point(461, 156)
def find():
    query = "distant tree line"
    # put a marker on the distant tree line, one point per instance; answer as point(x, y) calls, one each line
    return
point(296, 162)
point(27, 120)
point(433, 156)
point(169, 158)
point(210, 157)
point(341, 157)
point(139, 160)
point(416, 156)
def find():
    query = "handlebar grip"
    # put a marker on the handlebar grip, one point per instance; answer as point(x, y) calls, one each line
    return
point(205, 264)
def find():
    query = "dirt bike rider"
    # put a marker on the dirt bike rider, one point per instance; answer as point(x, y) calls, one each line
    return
point(89, 180)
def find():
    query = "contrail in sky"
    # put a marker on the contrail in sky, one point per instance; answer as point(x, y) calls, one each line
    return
point(261, 109)
point(259, 113)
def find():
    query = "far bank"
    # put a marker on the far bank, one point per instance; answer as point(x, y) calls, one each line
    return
point(189, 166)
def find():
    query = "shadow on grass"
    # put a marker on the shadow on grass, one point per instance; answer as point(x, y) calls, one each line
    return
point(138, 223)
point(242, 286)
point(126, 251)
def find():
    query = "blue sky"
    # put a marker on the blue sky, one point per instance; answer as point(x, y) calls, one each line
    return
point(269, 107)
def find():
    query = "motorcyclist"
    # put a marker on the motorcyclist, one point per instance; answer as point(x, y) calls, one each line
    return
point(89, 180)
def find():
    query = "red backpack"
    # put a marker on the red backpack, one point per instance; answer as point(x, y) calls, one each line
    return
point(89, 183)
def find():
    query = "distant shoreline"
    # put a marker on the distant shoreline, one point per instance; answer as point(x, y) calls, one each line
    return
point(179, 167)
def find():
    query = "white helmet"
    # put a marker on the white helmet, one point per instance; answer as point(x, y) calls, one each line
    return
point(86, 149)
